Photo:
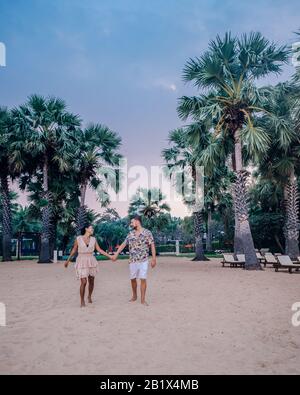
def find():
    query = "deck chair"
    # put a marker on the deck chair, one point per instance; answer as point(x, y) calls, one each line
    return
point(229, 260)
point(264, 251)
point(260, 257)
point(270, 259)
point(241, 260)
point(285, 262)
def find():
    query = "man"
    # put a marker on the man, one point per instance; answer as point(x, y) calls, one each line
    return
point(139, 240)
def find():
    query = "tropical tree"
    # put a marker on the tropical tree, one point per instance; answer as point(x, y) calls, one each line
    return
point(97, 165)
point(281, 163)
point(226, 76)
point(149, 203)
point(45, 130)
point(5, 175)
point(185, 145)
point(267, 213)
point(23, 223)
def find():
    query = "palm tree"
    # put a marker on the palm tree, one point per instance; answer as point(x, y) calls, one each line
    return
point(6, 173)
point(226, 74)
point(149, 203)
point(45, 130)
point(22, 223)
point(97, 165)
point(281, 163)
point(181, 155)
point(216, 190)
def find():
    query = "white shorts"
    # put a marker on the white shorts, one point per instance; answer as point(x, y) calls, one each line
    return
point(138, 270)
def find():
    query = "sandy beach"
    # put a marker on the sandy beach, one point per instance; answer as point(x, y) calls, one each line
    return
point(202, 319)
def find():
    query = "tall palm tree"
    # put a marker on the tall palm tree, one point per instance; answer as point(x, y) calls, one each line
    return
point(149, 203)
point(217, 184)
point(226, 74)
point(97, 165)
point(281, 163)
point(45, 130)
point(182, 154)
point(5, 174)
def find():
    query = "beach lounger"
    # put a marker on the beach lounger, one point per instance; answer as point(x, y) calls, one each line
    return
point(229, 260)
point(285, 262)
point(260, 257)
point(264, 251)
point(270, 259)
point(241, 260)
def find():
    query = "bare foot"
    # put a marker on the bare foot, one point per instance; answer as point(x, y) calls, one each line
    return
point(133, 299)
point(83, 304)
point(145, 304)
point(90, 299)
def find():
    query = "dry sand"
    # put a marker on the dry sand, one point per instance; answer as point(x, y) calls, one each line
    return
point(202, 319)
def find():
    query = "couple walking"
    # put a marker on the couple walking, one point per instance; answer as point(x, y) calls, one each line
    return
point(139, 240)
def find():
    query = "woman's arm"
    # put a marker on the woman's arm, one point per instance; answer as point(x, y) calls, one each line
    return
point(120, 249)
point(102, 252)
point(73, 252)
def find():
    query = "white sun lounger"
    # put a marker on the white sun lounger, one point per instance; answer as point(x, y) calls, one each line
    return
point(229, 259)
point(285, 262)
point(270, 259)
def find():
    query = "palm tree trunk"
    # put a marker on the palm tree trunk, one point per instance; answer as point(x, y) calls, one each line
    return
point(209, 231)
point(198, 225)
point(81, 219)
point(241, 209)
point(6, 219)
point(238, 243)
point(46, 217)
point(53, 237)
point(291, 195)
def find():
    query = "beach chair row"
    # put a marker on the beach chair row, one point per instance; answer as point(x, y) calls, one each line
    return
point(278, 261)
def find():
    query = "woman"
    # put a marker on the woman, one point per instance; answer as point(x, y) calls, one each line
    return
point(86, 264)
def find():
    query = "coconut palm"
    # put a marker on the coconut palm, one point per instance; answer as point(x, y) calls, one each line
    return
point(149, 203)
point(226, 74)
point(6, 174)
point(97, 165)
point(281, 163)
point(183, 154)
point(45, 130)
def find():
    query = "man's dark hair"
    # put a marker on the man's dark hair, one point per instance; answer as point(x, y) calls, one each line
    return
point(138, 218)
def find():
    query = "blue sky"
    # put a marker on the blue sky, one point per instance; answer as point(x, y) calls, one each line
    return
point(119, 62)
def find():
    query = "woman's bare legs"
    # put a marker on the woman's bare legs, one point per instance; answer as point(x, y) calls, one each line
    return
point(82, 291)
point(91, 288)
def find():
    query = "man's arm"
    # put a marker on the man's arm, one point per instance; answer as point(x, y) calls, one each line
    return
point(119, 250)
point(153, 252)
point(73, 252)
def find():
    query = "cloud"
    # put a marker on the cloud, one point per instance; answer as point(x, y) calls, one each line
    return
point(166, 85)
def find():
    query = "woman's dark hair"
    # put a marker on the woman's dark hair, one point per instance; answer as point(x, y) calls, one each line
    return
point(84, 228)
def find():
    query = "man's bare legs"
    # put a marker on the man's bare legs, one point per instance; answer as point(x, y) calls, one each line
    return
point(143, 292)
point(91, 288)
point(82, 291)
point(134, 290)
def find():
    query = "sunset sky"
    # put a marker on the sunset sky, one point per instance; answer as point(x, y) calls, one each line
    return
point(119, 62)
